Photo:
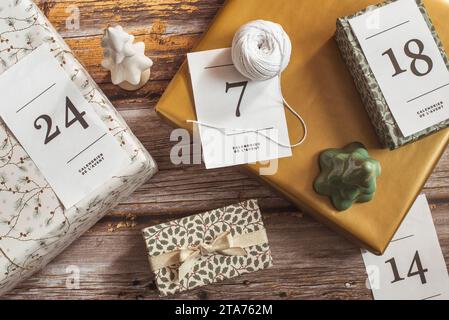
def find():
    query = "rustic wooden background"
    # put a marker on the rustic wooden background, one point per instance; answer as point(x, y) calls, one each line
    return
point(311, 262)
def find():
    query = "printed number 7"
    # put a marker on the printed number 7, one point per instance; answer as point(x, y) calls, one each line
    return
point(242, 84)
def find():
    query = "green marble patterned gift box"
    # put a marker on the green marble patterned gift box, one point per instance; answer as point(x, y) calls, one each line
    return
point(381, 117)
point(208, 247)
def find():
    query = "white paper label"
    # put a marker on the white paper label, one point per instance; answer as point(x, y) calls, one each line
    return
point(225, 99)
point(407, 64)
point(413, 266)
point(57, 127)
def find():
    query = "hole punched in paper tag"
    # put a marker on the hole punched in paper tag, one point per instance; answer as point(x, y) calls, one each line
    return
point(58, 128)
point(413, 266)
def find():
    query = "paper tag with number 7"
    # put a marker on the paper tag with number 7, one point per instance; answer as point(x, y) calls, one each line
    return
point(413, 266)
point(58, 128)
point(242, 119)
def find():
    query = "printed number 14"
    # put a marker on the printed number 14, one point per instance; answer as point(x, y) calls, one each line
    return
point(415, 262)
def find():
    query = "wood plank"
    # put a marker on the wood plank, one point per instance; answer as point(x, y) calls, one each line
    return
point(310, 262)
point(168, 28)
point(184, 16)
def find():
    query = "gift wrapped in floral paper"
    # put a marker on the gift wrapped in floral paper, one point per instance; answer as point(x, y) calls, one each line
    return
point(34, 225)
point(208, 247)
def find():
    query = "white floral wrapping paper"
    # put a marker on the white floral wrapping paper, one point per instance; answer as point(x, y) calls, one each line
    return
point(240, 219)
point(34, 227)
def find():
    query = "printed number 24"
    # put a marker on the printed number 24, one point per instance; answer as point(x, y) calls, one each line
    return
point(77, 117)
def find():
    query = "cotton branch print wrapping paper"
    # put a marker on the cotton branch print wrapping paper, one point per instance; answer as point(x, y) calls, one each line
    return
point(34, 227)
point(239, 221)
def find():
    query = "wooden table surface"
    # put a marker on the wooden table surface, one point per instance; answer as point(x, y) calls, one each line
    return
point(311, 262)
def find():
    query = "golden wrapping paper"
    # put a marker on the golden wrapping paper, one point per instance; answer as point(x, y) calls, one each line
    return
point(319, 86)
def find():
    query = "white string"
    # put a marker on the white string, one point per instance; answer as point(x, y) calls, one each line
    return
point(298, 116)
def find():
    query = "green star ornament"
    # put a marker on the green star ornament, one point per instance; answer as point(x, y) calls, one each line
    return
point(347, 176)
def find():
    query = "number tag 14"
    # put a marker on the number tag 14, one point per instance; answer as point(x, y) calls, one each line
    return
point(413, 266)
point(419, 269)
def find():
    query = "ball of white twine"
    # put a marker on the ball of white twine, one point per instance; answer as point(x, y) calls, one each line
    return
point(261, 50)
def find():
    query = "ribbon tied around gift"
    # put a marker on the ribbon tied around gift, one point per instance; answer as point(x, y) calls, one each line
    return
point(224, 244)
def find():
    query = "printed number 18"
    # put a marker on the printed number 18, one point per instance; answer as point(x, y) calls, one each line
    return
point(416, 261)
point(414, 56)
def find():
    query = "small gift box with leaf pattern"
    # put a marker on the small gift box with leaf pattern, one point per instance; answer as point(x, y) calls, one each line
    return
point(208, 247)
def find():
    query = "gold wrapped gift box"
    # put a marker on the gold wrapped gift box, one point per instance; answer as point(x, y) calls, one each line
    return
point(320, 87)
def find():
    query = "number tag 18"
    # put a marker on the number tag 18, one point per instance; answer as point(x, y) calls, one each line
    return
point(407, 63)
point(58, 128)
point(419, 56)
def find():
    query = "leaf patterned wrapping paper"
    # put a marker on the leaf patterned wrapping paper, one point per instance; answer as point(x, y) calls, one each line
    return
point(243, 218)
point(381, 117)
point(34, 227)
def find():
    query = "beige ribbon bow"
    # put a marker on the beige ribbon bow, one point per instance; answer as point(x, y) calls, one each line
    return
point(224, 244)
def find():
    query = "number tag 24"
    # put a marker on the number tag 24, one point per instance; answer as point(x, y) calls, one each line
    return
point(52, 134)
